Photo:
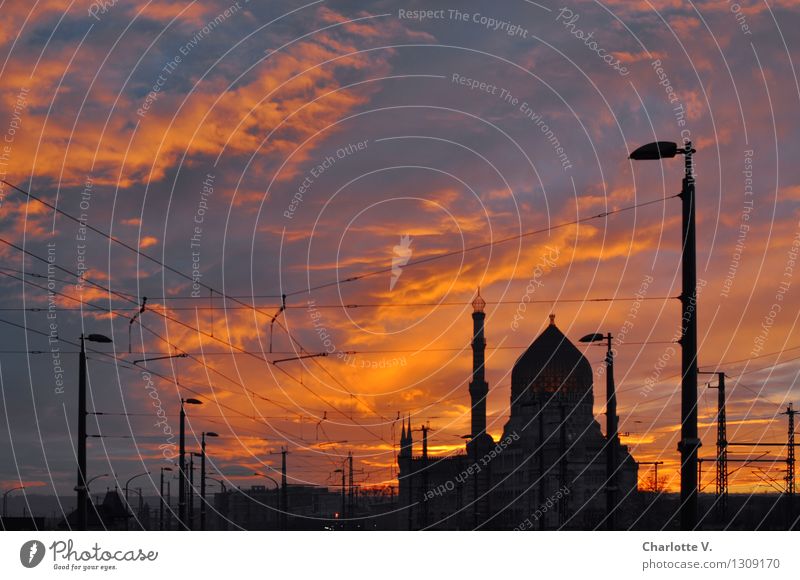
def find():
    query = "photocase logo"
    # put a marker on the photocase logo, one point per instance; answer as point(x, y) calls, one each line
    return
point(31, 553)
point(402, 254)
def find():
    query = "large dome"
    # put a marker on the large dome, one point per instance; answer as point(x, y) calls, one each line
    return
point(551, 365)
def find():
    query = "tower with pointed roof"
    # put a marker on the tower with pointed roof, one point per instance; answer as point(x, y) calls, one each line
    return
point(549, 466)
point(478, 387)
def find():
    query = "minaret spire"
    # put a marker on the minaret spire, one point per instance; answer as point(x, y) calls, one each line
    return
point(478, 388)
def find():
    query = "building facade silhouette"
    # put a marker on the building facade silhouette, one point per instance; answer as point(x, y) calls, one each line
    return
point(547, 471)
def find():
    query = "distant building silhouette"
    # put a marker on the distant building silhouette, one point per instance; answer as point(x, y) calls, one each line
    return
point(110, 514)
point(548, 471)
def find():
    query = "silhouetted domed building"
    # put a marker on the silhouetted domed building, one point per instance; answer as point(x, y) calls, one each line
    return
point(549, 469)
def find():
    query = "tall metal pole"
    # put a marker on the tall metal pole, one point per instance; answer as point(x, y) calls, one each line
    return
point(689, 443)
point(190, 491)
point(790, 452)
point(284, 491)
point(81, 486)
point(344, 498)
point(722, 449)
point(790, 412)
point(612, 435)
point(182, 471)
point(169, 500)
point(424, 489)
point(351, 488)
point(203, 482)
point(562, 465)
point(161, 502)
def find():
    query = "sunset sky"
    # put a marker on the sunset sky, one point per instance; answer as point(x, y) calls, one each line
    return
point(269, 148)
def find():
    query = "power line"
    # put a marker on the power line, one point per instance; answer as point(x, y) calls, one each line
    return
point(192, 279)
point(436, 257)
point(341, 306)
point(209, 335)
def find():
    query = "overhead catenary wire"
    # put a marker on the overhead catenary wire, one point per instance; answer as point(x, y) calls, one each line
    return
point(190, 327)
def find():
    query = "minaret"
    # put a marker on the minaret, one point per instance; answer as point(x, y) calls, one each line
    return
point(478, 388)
point(406, 441)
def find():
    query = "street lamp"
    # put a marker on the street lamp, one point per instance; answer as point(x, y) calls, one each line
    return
point(88, 488)
point(689, 444)
point(203, 477)
point(219, 481)
point(611, 429)
point(82, 487)
point(161, 496)
point(277, 486)
point(344, 502)
point(88, 483)
point(127, 484)
point(5, 498)
point(182, 462)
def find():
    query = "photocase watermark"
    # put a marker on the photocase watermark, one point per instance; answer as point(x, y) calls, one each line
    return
point(781, 291)
point(549, 504)
point(349, 358)
point(472, 469)
point(317, 171)
point(31, 553)
point(547, 261)
point(94, 557)
point(630, 317)
point(167, 448)
point(197, 232)
point(81, 234)
point(185, 49)
point(319, 327)
point(14, 124)
point(741, 18)
point(567, 17)
point(362, 363)
point(527, 111)
point(453, 14)
point(401, 255)
point(52, 320)
point(100, 7)
point(670, 352)
point(744, 226)
point(678, 109)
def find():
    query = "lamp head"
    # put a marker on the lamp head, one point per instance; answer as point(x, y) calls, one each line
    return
point(192, 401)
point(97, 338)
point(594, 337)
point(656, 150)
point(211, 434)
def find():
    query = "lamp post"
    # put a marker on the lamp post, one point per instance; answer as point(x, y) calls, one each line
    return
point(88, 487)
point(5, 498)
point(689, 444)
point(219, 481)
point(203, 477)
point(612, 430)
point(161, 497)
point(81, 486)
point(344, 502)
point(127, 485)
point(191, 488)
point(277, 486)
point(182, 462)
